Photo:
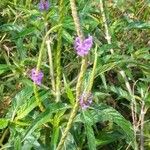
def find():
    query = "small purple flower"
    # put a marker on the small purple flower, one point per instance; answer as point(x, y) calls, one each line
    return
point(44, 5)
point(82, 47)
point(85, 100)
point(36, 76)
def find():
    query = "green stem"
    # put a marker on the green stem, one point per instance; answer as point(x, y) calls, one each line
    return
point(3, 136)
point(48, 42)
point(39, 103)
point(107, 35)
point(69, 124)
point(58, 52)
point(93, 72)
point(133, 102)
point(80, 77)
point(76, 106)
point(76, 19)
point(47, 137)
point(39, 64)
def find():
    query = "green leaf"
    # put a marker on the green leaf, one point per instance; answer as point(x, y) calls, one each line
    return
point(29, 105)
point(120, 92)
point(67, 36)
point(142, 53)
point(55, 132)
point(68, 91)
point(3, 123)
point(138, 25)
point(17, 143)
point(44, 117)
point(54, 139)
point(32, 143)
point(70, 143)
point(10, 27)
point(102, 113)
point(3, 68)
point(19, 100)
point(89, 132)
point(106, 67)
point(25, 32)
point(21, 48)
point(105, 138)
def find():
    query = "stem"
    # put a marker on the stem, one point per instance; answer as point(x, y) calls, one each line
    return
point(76, 19)
point(76, 106)
point(80, 77)
point(69, 124)
point(107, 35)
point(38, 98)
point(47, 137)
point(93, 72)
point(37, 69)
point(48, 42)
point(133, 103)
point(133, 106)
point(43, 43)
point(3, 137)
point(58, 52)
point(39, 64)
point(142, 127)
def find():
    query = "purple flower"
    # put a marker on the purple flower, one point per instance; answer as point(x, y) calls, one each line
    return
point(44, 5)
point(85, 100)
point(36, 76)
point(82, 47)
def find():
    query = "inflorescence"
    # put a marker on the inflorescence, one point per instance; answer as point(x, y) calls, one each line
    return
point(83, 47)
point(36, 76)
point(85, 100)
point(44, 5)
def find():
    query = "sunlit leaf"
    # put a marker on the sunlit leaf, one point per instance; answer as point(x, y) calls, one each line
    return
point(3, 123)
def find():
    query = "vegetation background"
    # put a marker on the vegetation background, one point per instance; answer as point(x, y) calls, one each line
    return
point(117, 75)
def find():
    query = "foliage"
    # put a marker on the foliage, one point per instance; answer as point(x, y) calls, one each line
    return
point(35, 117)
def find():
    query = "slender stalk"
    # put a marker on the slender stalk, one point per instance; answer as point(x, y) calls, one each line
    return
point(39, 64)
point(28, 3)
point(84, 59)
point(80, 77)
point(47, 137)
point(58, 52)
point(133, 104)
point(76, 106)
point(37, 69)
point(3, 136)
point(107, 35)
point(142, 126)
point(108, 38)
point(48, 42)
point(93, 72)
point(69, 124)
point(142, 116)
point(41, 107)
point(76, 19)
point(15, 2)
